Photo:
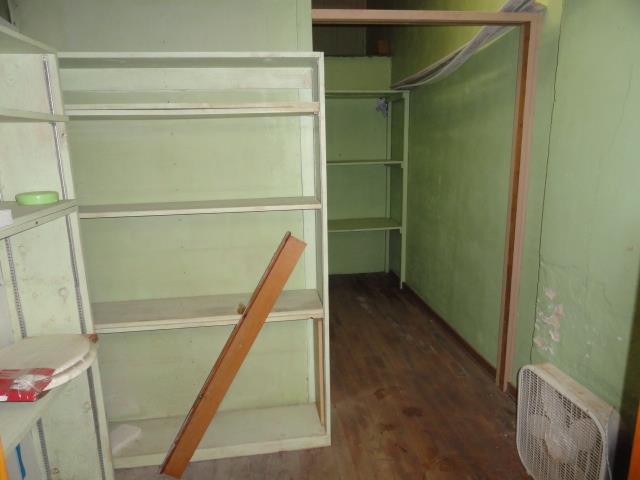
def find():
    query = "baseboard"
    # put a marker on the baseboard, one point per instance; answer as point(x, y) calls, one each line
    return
point(512, 390)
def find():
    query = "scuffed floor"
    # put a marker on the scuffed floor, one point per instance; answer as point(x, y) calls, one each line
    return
point(407, 402)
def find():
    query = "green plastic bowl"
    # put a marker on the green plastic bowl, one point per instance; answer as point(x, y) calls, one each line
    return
point(37, 198)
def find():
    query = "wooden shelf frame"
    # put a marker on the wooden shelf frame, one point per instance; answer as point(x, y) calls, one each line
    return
point(202, 311)
point(530, 26)
point(200, 207)
point(295, 78)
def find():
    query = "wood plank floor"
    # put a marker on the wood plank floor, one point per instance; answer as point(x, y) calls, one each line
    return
point(407, 402)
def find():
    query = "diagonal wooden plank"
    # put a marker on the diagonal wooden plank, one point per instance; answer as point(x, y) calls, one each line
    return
point(634, 466)
point(233, 354)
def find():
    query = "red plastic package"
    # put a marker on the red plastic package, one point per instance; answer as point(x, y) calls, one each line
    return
point(26, 385)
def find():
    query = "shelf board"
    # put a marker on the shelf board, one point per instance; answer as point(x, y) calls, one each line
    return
point(391, 94)
point(363, 224)
point(231, 434)
point(8, 115)
point(17, 419)
point(29, 216)
point(199, 207)
point(202, 311)
point(346, 163)
point(12, 41)
point(188, 60)
point(187, 110)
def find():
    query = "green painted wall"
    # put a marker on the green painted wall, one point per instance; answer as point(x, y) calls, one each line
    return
point(150, 25)
point(590, 250)
point(459, 167)
point(579, 295)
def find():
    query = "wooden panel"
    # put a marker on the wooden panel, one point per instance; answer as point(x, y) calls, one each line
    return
point(416, 17)
point(184, 312)
point(634, 466)
point(233, 355)
point(518, 189)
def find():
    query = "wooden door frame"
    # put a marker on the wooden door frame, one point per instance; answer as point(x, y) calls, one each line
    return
point(530, 26)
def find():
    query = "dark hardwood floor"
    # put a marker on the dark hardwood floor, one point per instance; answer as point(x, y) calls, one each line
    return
point(407, 401)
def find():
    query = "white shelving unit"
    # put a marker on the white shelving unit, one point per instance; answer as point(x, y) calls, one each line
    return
point(396, 111)
point(212, 156)
point(42, 285)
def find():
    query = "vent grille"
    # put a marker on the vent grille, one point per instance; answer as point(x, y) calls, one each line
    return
point(557, 439)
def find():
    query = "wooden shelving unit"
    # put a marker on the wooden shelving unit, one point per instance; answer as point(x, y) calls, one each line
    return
point(389, 134)
point(176, 228)
point(42, 267)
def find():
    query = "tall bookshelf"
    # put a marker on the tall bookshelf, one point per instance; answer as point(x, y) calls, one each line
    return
point(43, 288)
point(189, 168)
point(367, 162)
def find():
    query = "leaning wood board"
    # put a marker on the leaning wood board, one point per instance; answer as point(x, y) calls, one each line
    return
point(233, 354)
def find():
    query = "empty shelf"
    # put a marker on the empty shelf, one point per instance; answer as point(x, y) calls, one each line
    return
point(14, 42)
point(345, 163)
point(391, 94)
point(188, 60)
point(187, 110)
point(231, 434)
point(363, 224)
point(8, 115)
point(202, 311)
point(29, 216)
point(199, 207)
point(17, 419)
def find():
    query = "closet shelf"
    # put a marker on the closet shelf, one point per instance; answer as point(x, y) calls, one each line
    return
point(202, 311)
point(30, 216)
point(199, 207)
point(17, 419)
point(363, 224)
point(231, 434)
point(9, 115)
point(133, 111)
point(390, 94)
point(345, 163)
point(14, 42)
